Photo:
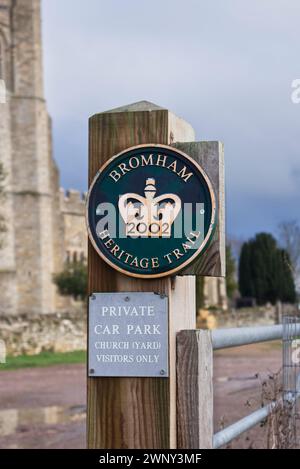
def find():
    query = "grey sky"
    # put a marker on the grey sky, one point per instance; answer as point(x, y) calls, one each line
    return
point(225, 66)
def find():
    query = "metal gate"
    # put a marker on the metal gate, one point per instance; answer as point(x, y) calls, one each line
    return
point(198, 346)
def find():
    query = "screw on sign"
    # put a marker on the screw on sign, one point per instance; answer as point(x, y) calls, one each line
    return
point(134, 333)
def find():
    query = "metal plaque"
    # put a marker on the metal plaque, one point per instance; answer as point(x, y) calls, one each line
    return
point(128, 334)
point(151, 211)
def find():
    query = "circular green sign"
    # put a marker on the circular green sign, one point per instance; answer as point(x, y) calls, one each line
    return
point(151, 211)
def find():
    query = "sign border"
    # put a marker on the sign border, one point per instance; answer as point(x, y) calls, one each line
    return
point(201, 248)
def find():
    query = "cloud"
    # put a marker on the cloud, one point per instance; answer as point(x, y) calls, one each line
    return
point(226, 67)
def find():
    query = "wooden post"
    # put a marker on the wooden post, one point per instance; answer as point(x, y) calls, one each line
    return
point(194, 390)
point(210, 156)
point(142, 412)
point(136, 412)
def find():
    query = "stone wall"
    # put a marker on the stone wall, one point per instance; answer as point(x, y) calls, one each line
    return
point(245, 317)
point(57, 332)
point(66, 331)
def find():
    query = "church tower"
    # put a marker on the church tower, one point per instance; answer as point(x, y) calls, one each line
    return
point(31, 204)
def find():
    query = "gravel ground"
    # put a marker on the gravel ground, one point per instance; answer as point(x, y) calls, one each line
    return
point(44, 407)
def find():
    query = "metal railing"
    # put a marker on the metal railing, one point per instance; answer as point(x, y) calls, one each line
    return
point(235, 337)
point(225, 436)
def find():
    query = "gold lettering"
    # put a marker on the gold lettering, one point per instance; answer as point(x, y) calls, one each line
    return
point(186, 247)
point(145, 161)
point(161, 160)
point(104, 234)
point(177, 253)
point(173, 166)
point(144, 263)
point(137, 163)
point(135, 262)
point(194, 235)
point(115, 249)
point(183, 174)
point(123, 168)
point(121, 254)
point(115, 175)
point(109, 242)
point(168, 256)
point(127, 257)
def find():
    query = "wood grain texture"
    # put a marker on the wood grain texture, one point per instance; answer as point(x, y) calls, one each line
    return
point(194, 390)
point(130, 412)
point(210, 156)
point(182, 301)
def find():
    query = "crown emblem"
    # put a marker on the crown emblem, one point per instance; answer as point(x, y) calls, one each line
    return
point(149, 216)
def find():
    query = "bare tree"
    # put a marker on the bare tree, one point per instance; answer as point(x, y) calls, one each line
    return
point(289, 238)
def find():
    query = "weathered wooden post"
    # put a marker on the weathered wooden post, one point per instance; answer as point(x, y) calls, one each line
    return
point(194, 390)
point(132, 394)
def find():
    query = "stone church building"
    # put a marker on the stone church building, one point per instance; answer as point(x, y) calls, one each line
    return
point(44, 226)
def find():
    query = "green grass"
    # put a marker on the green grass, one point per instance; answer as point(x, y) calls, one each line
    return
point(44, 359)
